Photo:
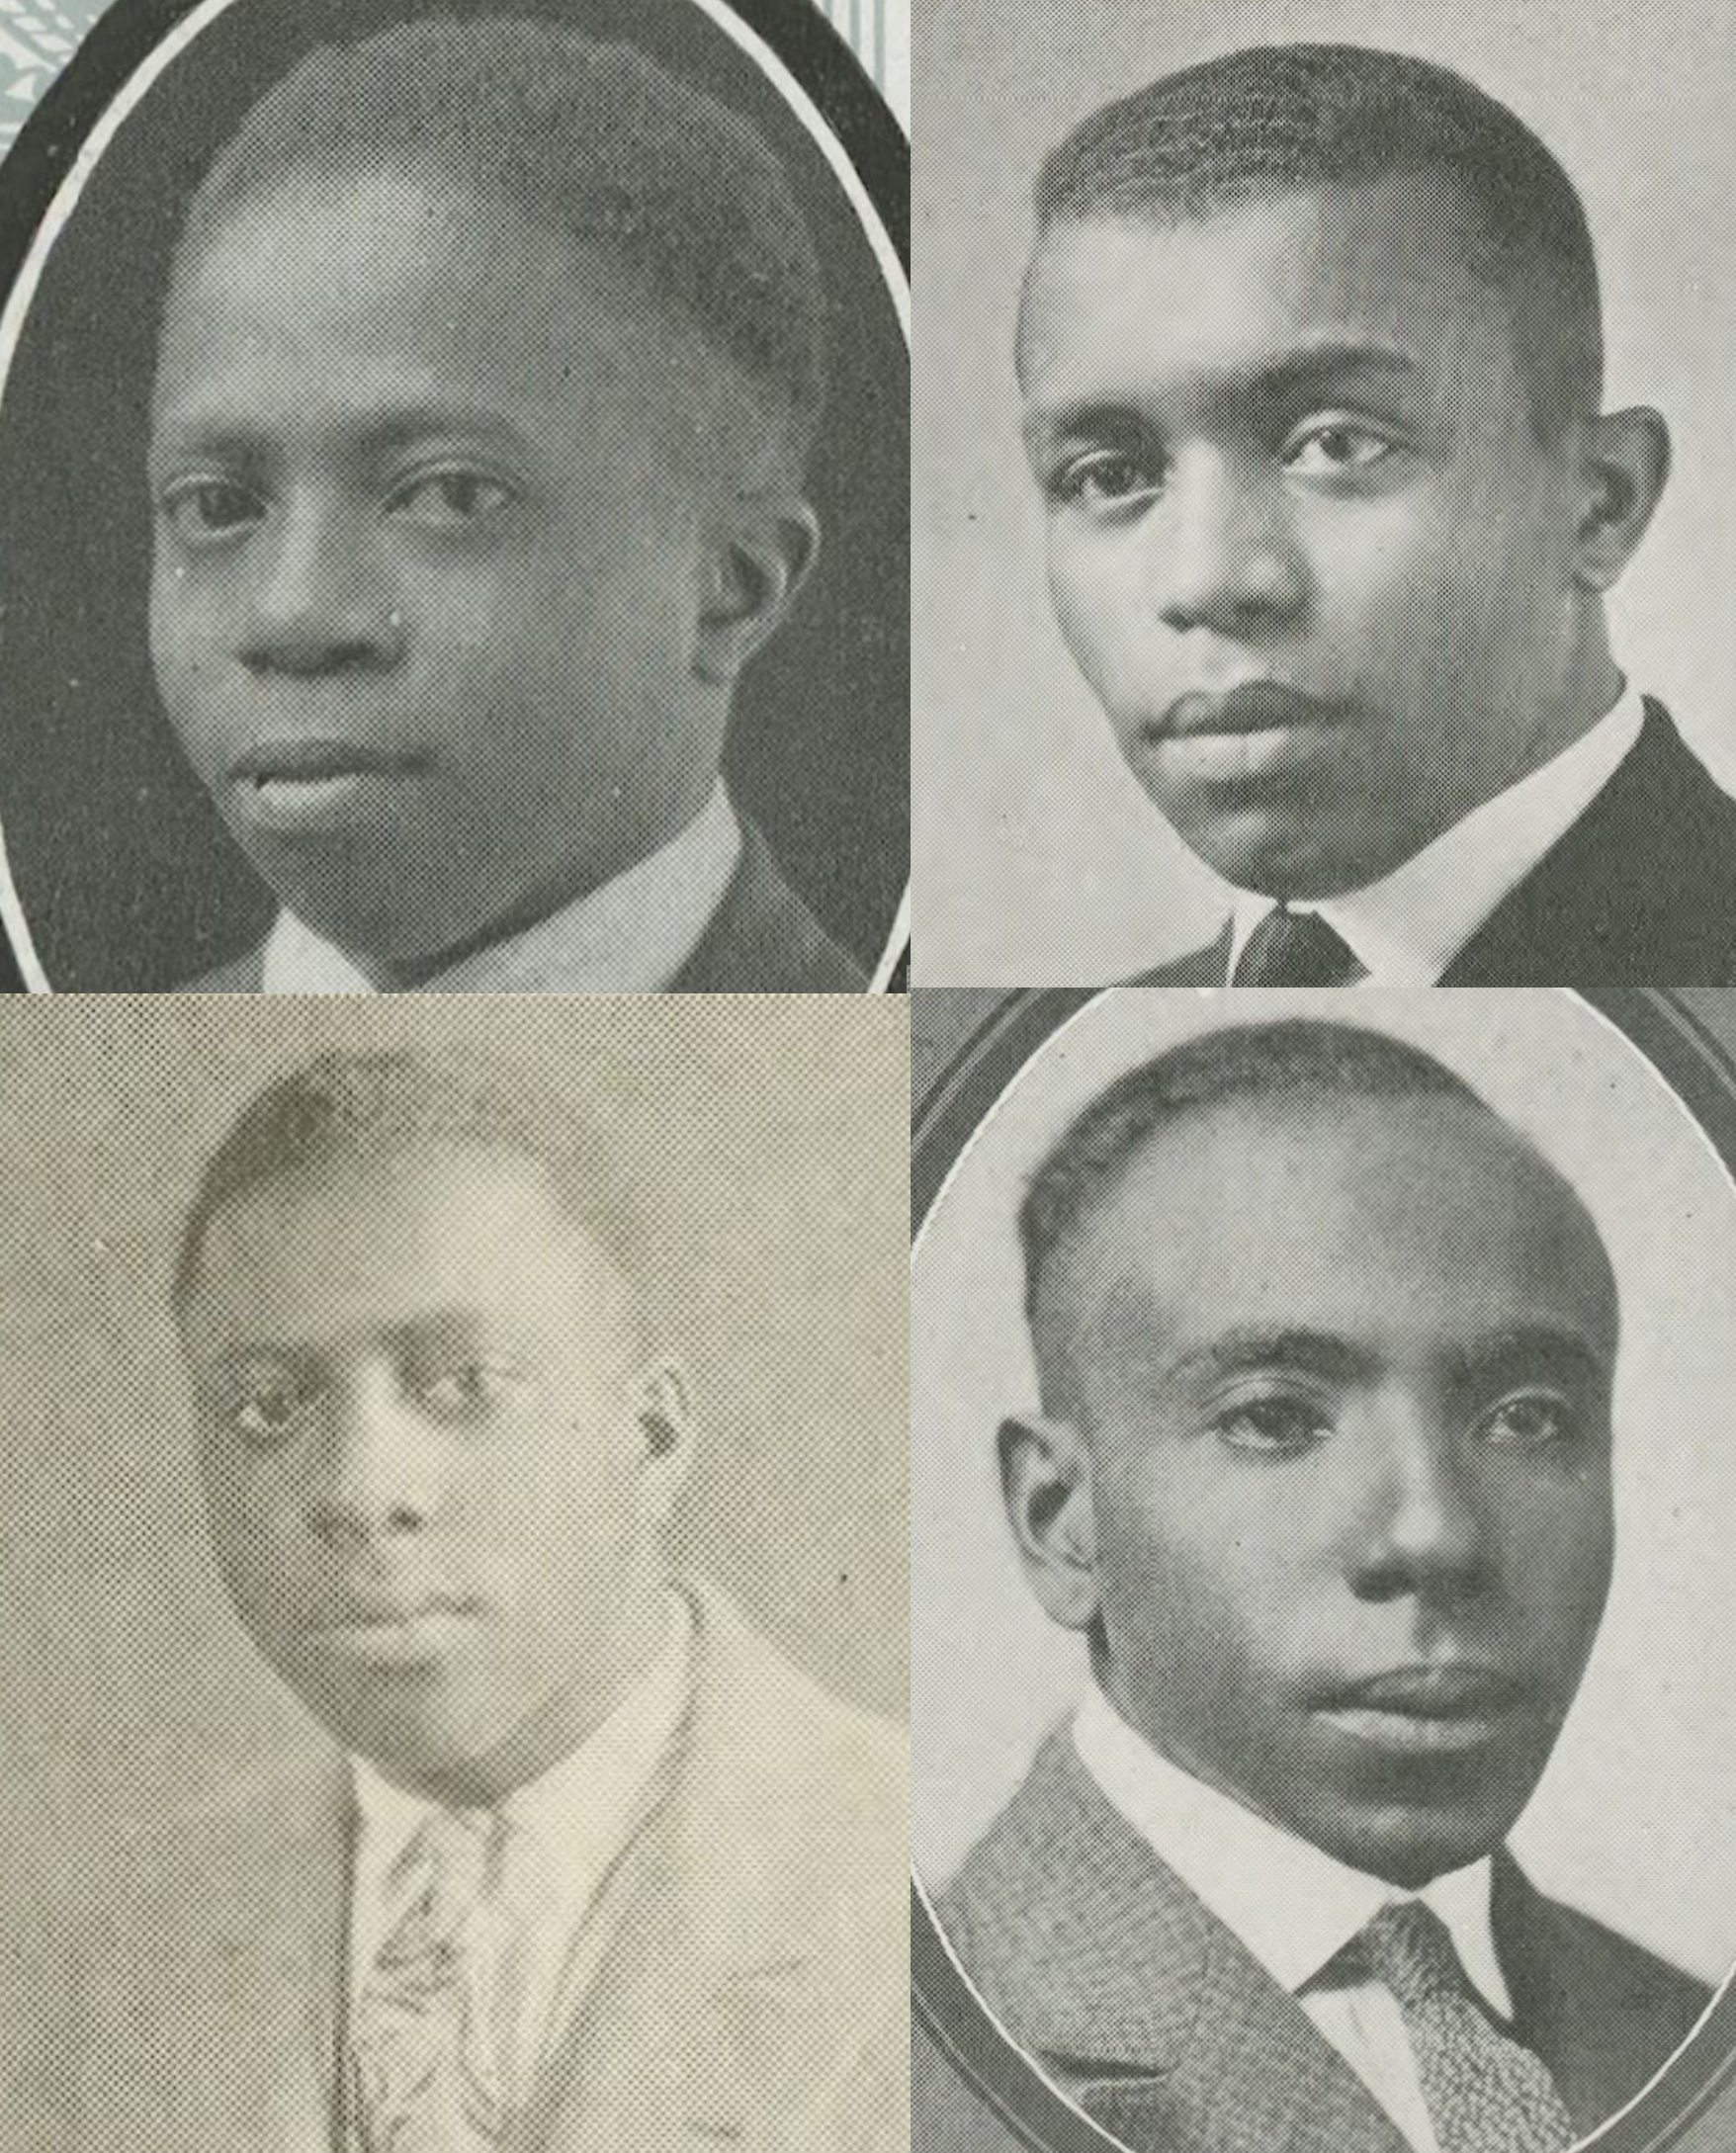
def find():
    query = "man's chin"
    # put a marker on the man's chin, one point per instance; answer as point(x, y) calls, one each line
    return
point(1283, 851)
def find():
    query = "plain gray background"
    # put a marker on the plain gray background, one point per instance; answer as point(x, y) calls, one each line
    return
point(1637, 1814)
point(768, 1138)
point(1036, 857)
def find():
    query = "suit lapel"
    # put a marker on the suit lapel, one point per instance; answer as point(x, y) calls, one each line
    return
point(234, 2044)
point(1639, 889)
point(1209, 967)
point(1146, 2008)
point(702, 1993)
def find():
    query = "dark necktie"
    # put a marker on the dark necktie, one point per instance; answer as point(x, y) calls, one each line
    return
point(1485, 2091)
point(1296, 949)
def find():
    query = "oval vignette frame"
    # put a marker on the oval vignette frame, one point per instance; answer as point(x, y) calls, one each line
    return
point(948, 1104)
point(852, 146)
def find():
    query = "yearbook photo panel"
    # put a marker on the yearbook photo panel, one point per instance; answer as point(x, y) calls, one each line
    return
point(609, 691)
point(431, 1428)
point(1452, 670)
point(1126, 1199)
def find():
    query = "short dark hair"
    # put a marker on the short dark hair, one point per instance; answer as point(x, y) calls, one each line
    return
point(1295, 1060)
point(343, 1109)
point(593, 140)
point(1273, 119)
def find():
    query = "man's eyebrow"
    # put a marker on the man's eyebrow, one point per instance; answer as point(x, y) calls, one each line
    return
point(1526, 1345)
point(220, 431)
point(1310, 370)
point(1299, 1352)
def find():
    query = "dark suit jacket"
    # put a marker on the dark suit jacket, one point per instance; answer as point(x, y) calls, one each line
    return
point(188, 1998)
point(762, 939)
point(1640, 892)
point(1104, 1967)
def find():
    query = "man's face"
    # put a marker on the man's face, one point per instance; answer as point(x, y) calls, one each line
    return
point(430, 1481)
point(1346, 1374)
point(427, 564)
point(1303, 540)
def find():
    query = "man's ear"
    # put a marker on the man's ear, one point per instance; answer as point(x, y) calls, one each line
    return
point(665, 1422)
point(1046, 1486)
point(759, 554)
point(1626, 461)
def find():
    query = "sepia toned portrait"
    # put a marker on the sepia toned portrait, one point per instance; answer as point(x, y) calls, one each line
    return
point(454, 539)
point(1321, 1733)
point(457, 1571)
point(1325, 587)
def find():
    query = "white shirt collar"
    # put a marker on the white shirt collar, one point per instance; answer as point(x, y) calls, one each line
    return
point(630, 936)
point(565, 1828)
point(1294, 1907)
point(1407, 929)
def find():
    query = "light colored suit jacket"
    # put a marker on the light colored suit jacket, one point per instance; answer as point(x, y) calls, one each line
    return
point(194, 2002)
point(1113, 1977)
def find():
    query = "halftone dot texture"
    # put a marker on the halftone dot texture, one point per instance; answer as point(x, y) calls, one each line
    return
point(762, 1139)
point(37, 40)
point(590, 137)
point(1275, 118)
point(568, 685)
point(1486, 2092)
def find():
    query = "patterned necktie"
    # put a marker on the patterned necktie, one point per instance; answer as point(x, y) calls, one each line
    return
point(1485, 2093)
point(1296, 949)
point(423, 2076)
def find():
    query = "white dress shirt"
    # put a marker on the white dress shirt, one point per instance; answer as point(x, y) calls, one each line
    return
point(1406, 929)
point(565, 1833)
point(630, 936)
point(1293, 1906)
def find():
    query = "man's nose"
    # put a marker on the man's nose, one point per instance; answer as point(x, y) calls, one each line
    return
point(317, 600)
point(1225, 556)
point(380, 1471)
point(1415, 1522)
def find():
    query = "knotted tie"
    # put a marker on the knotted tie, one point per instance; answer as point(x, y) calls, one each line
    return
point(1296, 949)
point(423, 2076)
point(1485, 2093)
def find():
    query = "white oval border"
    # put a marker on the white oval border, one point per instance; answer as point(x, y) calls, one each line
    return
point(1052, 1041)
point(90, 150)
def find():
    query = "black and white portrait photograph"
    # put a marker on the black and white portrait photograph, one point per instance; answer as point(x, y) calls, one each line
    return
point(454, 461)
point(455, 1558)
point(1322, 1732)
point(1320, 496)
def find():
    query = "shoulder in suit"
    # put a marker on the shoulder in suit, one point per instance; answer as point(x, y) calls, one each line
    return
point(188, 1994)
point(1105, 1968)
point(763, 938)
point(1640, 892)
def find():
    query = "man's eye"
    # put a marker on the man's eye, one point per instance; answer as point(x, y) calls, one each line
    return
point(1338, 447)
point(447, 500)
point(1104, 479)
point(1271, 1426)
point(200, 510)
point(465, 1391)
point(1533, 1421)
point(269, 1414)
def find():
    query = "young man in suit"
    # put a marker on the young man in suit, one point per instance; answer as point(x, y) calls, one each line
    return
point(488, 375)
point(1321, 1473)
point(595, 1868)
point(1312, 364)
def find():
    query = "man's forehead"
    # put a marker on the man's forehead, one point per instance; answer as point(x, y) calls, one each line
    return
point(375, 289)
point(1281, 1197)
point(1392, 263)
point(451, 1210)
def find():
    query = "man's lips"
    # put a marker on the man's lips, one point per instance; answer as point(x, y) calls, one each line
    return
point(1259, 705)
point(1426, 1709)
point(1430, 1691)
point(314, 760)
